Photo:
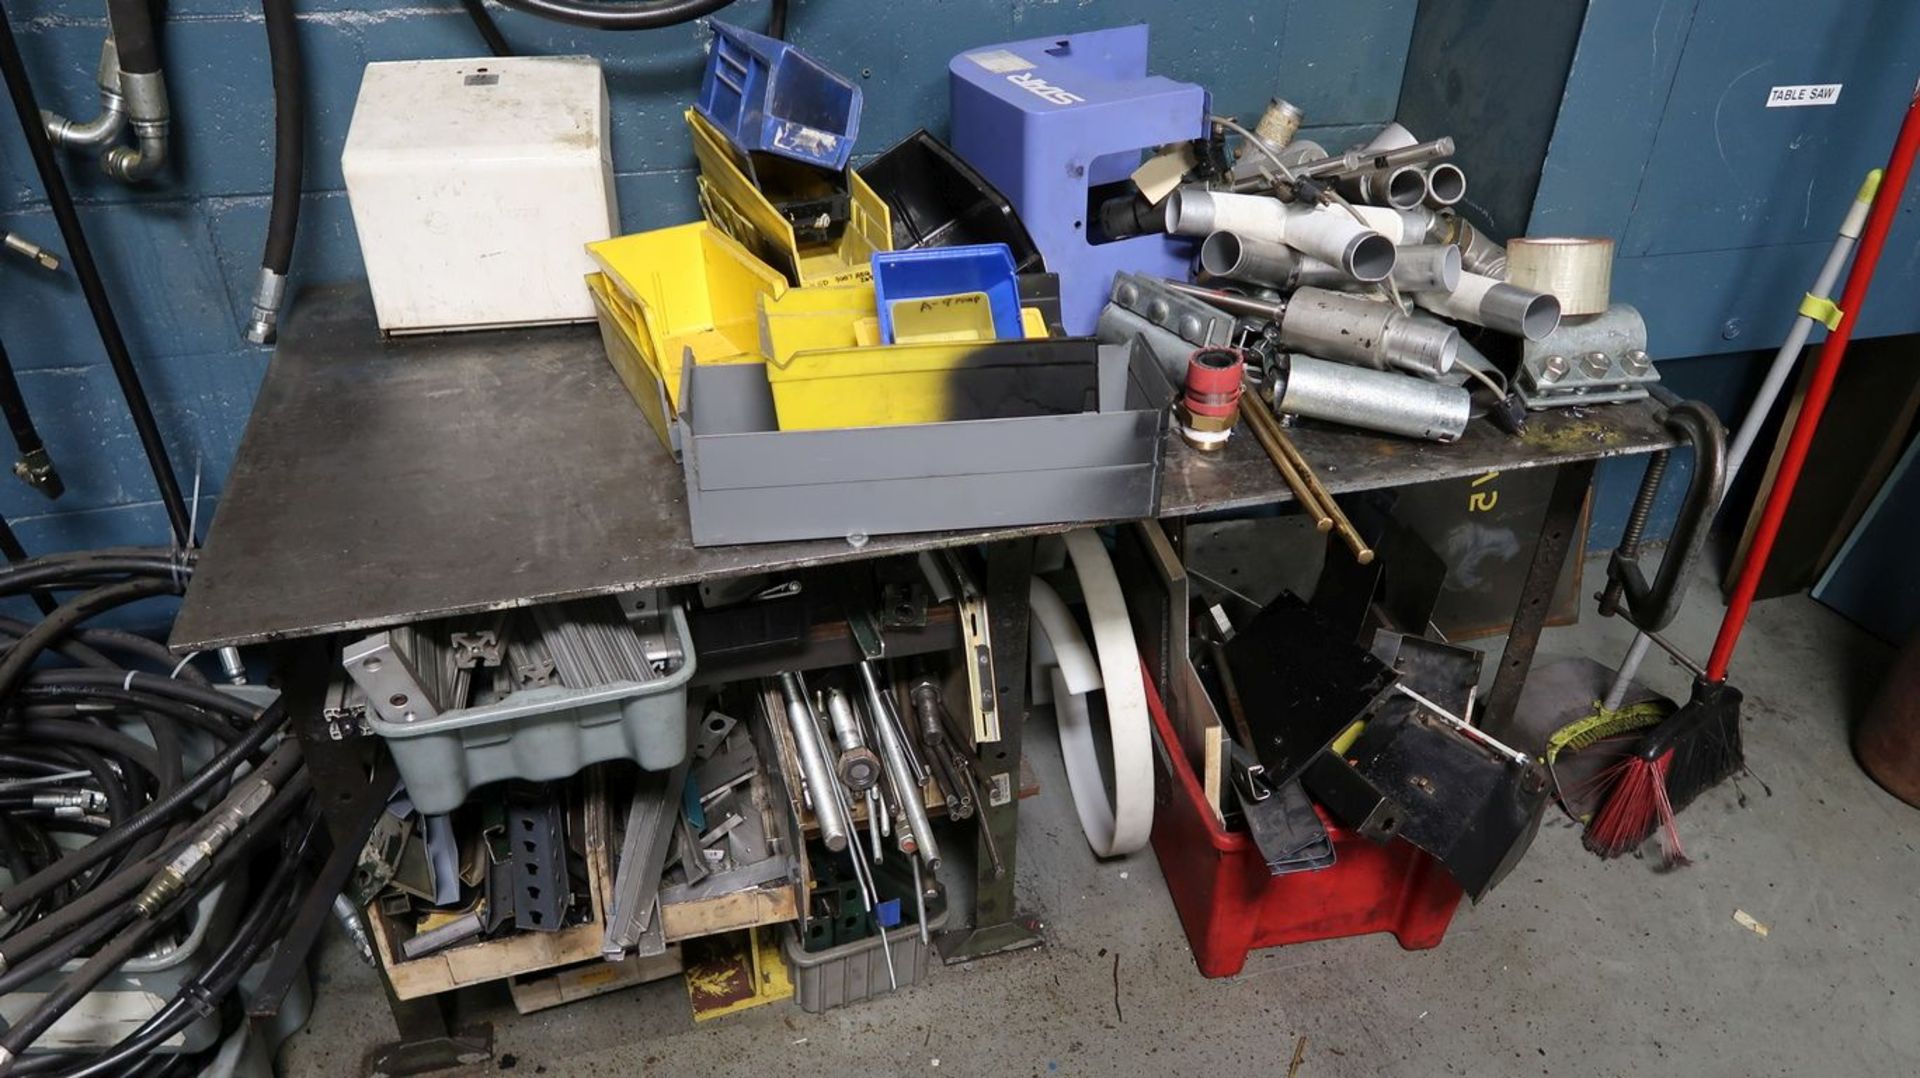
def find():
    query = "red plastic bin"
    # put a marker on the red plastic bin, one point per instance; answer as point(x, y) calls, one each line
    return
point(1230, 905)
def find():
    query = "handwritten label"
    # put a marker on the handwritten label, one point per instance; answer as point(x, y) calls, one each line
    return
point(1793, 97)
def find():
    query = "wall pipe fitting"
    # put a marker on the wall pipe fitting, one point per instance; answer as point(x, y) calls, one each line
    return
point(1497, 305)
point(1368, 332)
point(104, 128)
point(1445, 184)
point(1427, 267)
point(1369, 399)
point(1242, 258)
point(1328, 233)
point(813, 763)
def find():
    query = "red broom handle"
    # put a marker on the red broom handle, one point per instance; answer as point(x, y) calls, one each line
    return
point(1826, 369)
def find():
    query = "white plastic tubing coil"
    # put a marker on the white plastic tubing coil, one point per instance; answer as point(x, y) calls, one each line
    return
point(1119, 823)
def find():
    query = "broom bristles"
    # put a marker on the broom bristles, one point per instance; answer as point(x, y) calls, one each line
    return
point(1637, 806)
point(1691, 752)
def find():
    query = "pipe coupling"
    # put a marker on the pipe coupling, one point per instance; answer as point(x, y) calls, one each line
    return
point(264, 323)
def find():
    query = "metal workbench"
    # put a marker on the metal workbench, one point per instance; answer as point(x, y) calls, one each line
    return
point(382, 482)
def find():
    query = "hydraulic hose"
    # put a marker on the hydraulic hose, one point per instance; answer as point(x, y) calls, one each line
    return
point(85, 570)
point(60, 201)
point(777, 21)
point(16, 555)
point(20, 657)
point(35, 467)
point(132, 23)
point(125, 833)
point(628, 15)
point(289, 166)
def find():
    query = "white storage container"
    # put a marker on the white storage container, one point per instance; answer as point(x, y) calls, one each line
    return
point(476, 186)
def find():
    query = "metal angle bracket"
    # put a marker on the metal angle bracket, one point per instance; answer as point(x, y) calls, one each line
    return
point(643, 854)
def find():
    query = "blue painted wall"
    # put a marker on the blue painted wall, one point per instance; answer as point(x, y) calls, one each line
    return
point(181, 252)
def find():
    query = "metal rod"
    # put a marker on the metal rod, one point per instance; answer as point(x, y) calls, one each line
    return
point(893, 754)
point(920, 904)
point(813, 763)
point(1302, 492)
point(1343, 527)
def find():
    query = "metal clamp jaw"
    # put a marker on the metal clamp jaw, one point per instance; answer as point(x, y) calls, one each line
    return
point(1652, 607)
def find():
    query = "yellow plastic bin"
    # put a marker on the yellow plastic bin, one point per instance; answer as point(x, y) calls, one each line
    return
point(934, 382)
point(735, 203)
point(684, 289)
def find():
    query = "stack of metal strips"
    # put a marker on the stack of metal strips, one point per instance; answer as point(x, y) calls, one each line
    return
point(591, 643)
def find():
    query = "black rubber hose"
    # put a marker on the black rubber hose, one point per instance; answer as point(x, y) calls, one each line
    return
point(261, 927)
point(60, 201)
point(777, 20)
point(74, 736)
point(19, 419)
point(94, 567)
point(16, 554)
point(74, 986)
point(132, 23)
point(488, 30)
point(152, 684)
point(630, 15)
point(81, 938)
point(59, 701)
point(87, 647)
point(125, 833)
point(25, 651)
point(105, 897)
point(289, 133)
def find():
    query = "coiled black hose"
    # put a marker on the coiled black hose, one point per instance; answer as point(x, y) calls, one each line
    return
point(60, 201)
point(629, 15)
point(488, 30)
point(133, 38)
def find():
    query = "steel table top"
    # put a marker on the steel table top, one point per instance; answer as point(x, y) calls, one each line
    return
point(386, 481)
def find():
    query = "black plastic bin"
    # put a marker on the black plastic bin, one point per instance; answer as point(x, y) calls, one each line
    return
point(938, 200)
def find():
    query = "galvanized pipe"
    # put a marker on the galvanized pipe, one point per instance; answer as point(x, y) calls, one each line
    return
point(1497, 305)
point(1369, 399)
point(1402, 188)
point(813, 763)
point(1444, 185)
point(1243, 258)
point(894, 755)
point(1369, 332)
point(857, 766)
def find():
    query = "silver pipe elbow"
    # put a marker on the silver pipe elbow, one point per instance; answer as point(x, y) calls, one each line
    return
point(150, 120)
point(102, 129)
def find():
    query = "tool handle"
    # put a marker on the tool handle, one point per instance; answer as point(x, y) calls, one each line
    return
point(1886, 205)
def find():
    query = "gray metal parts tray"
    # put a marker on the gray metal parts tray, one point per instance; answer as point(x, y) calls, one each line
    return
point(750, 482)
point(543, 734)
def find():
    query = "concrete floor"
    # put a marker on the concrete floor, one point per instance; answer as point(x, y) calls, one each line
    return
point(1572, 966)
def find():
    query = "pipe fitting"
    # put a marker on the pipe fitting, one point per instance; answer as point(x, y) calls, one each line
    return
point(1496, 305)
point(1373, 400)
point(1278, 123)
point(1241, 258)
point(104, 128)
point(1401, 188)
point(1445, 185)
point(1328, 233)
point(1478, 253)
point(268, 294)
point(149, 119)
point(1427, 267)
point(1367, 332)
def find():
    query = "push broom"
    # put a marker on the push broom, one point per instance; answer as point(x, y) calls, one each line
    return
point(1699, 746)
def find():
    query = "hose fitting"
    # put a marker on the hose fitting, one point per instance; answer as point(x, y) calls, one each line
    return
point(264, 324)
point(148, 117)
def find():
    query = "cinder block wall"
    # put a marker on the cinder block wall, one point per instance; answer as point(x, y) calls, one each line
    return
point(180, 252)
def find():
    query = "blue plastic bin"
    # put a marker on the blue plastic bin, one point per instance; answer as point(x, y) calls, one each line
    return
point(930, 272)
point(767, 96)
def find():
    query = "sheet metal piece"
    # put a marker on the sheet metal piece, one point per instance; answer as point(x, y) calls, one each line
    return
point(485, 406)
point(651, 816)
point(537, 836)
point(1301, 682)
point(1287, 831)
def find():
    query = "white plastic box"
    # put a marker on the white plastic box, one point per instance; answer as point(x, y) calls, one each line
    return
point(476, 186)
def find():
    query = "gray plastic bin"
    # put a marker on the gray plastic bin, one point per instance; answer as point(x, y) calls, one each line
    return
point(851, 972)
point(543, 734)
